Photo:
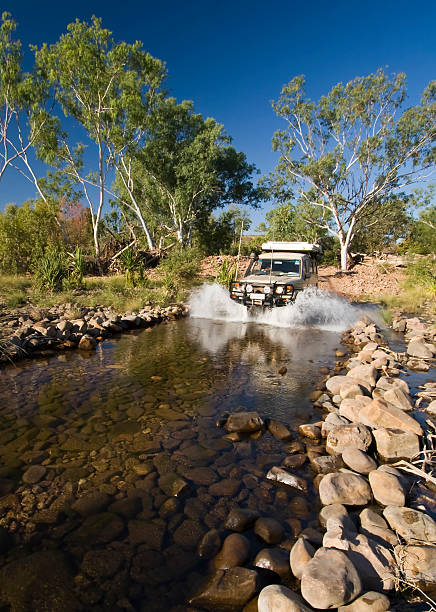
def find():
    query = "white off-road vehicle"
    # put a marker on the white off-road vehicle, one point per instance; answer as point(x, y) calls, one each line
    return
point(275, 277)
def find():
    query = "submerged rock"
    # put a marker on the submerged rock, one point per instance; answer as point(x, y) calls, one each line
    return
point(228, 589)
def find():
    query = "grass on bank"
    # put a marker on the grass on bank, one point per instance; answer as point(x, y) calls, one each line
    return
point(418, 294)
point(170, 282)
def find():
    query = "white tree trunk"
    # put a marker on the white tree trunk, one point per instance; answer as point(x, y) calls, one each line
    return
point(344, 256)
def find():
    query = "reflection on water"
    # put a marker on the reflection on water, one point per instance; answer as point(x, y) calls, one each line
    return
point(110, 436)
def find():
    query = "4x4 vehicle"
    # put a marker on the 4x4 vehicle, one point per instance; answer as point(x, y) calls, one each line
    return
point(275, 277)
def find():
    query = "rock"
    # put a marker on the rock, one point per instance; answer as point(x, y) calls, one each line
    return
point(387, 488)
point(278, 430)
point(395, 444)
point(335, 383)
point(188, 534)
point(240, 519)
point(34, 474)
point(229, 589)
point(350, 408)
point(294, 461)
point(386, 383)
point(101, 564)
point(330, 580)
point(398, 398)
point(332, 511)
point(370, 518)
point(325, 464)
point(368, 602)
point(227, 487)
point(411, 524)
point(332, 420)
point(244, 422)
point(39, 581)
point(145, 532)
point(278, 598)
point(350, 390)
point(269, 530)
point(418, 564)
point(301, 553)
point(97, 529)
point(354, 434)
point(417, 347)
point(364, 372)
point(344, 488)
point(173, 485)
point(87, 343)
point(431, 408)
point(273, 559)
point(373, 561)
point(358, 461)
point(309, 430)
point(209, 544)
point(91, 503)
point(234, 553)
point(381, 414)
point(278, 474)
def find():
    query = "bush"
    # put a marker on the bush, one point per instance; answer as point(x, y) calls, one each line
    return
point(226, 273)
point(178, 268)
point(51, 270)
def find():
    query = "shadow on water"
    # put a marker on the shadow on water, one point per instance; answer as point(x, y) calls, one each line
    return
point(112, 467)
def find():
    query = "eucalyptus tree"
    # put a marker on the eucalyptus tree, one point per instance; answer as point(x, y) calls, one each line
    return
point(107, 88)
point(188, 168)
point(350, 150)
point(26, 119)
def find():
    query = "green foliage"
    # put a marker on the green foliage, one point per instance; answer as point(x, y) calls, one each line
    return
point(422, 231)
point(421, 272)
point(226, 273)
point(76, 269)
point(179, 268)
point(132, 267)
point(51, 270)
point(348, 152)
point(221, 234)
point(25, 233)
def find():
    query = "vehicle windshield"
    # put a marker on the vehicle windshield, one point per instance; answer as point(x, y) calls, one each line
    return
point(288, 267)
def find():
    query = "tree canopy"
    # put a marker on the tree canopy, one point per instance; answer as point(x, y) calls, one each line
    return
point(351, 150)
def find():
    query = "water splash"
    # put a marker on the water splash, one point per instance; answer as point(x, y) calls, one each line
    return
point(312, 308)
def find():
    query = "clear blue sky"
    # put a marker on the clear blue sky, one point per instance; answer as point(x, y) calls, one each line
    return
point(232, 57)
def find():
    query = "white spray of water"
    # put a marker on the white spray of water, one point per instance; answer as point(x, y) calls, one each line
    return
point(312, 308)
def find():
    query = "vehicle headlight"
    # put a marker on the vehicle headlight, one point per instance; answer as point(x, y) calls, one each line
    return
point(249, 288)
point(289, 287)
point(279, 289)
point(267, 289)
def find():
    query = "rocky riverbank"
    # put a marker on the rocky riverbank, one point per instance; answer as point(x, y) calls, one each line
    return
point(373, 454)
point(39, 332)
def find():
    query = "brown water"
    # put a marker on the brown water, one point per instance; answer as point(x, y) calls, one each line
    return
point(126, 423)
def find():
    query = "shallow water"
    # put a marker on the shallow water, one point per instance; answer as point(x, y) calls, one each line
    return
point(126, 423)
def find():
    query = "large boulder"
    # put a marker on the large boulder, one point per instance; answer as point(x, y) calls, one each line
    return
point(374, 562)
point(244, 422)
point(411, 524)
point(387, 487)
point(278, 598)
point(344, 488)
point(368, 602)
point(386, 383)
point(418, 564)
point(381, 414)
point(335, 383)
point(366, 372)
point(350, 408)
point(398, 398)
point(358, 460)
point(417, 347)
point(395, 444)
point(343, 436)
point(330, 580)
